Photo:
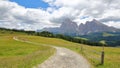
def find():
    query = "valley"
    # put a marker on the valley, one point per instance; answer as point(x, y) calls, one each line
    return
point(94, 31)
point(59, 34)
point(111, 38)
point(20, 54)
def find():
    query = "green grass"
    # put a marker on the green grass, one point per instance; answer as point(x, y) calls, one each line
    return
point(15, 54)
point(92, 53)
point(107, 34)
point(81, 38)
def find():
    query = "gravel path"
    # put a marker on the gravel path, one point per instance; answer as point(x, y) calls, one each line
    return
point(63, 58)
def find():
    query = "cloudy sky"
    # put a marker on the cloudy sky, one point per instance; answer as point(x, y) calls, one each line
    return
point(37, 14)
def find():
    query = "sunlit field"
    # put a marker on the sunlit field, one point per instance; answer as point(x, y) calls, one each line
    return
point(16, 54)
point(92, 53)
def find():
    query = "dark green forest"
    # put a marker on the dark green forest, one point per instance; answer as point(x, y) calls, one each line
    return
point(111, 38)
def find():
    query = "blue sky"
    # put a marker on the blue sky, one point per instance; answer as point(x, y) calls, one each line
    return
point(32, 3)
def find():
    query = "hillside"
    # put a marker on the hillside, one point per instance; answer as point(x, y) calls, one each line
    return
point(59, 33)
point(90, 52)
point(111, 38)
point(15, 54)
point(24, 50)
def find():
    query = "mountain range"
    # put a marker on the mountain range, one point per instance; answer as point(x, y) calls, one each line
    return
point(71, 28)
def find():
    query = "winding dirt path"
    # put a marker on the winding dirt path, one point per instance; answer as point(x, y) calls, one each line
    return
point(63, 58)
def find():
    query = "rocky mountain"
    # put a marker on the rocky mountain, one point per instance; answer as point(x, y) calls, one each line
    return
point(95, 26)
point(69, 27)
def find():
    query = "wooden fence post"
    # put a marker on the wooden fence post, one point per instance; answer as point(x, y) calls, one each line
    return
point(102, 58)
point(102, 54)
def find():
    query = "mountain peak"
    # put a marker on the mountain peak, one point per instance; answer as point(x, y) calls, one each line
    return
point(68, 27)
point(94, 20)
point(68, 21)
point(94, 26)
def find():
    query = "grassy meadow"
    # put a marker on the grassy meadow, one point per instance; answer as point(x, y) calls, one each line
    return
point(92, 53)
point(15, 54)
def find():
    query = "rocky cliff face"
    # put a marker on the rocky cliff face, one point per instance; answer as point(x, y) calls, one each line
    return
point(95, 26)
point(69, 27)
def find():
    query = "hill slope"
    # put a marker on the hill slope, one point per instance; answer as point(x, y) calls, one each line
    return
point(92, 53)
point(15, 54)
point(14, 57)
point(111, 38)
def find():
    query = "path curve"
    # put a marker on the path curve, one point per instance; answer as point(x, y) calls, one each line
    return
point(63, 58)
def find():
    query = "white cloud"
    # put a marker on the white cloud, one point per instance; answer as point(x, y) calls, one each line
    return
point(112, 23)
point(107, 10)
point(77, 10)
point(20, 17)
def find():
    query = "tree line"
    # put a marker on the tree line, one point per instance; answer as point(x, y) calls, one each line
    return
point(68, 38)
point(60, 36)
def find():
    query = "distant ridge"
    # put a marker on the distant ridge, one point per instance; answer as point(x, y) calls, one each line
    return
point(71, 28)
point(95, 26)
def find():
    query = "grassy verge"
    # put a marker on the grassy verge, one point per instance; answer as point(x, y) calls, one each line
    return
point(92, 53)
point(15, 54)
